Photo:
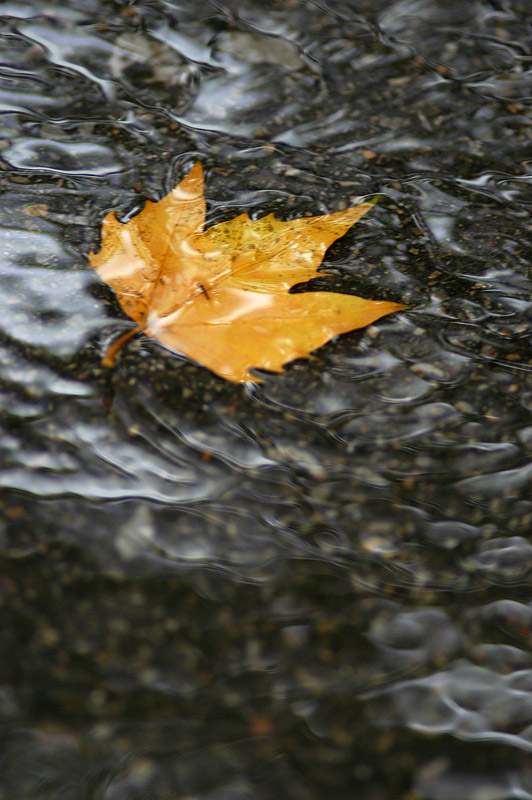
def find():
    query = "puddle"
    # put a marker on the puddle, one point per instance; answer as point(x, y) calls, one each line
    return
point(314, 586)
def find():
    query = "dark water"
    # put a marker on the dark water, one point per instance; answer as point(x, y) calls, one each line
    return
point(318, 587)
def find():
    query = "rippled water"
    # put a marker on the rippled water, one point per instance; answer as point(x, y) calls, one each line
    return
point(319, 586)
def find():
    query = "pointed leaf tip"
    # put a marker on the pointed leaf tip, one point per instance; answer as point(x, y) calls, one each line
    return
point(196, 173)
point(192, 184)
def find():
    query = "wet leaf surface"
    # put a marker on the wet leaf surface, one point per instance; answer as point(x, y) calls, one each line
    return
point(221, 296)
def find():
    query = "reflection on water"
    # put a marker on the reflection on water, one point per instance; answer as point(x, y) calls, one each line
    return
point(320, 585)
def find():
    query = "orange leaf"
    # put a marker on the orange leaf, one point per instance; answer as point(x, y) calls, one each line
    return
point(221, 296)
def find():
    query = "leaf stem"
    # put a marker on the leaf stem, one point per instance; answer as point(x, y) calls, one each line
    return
point(112, 351)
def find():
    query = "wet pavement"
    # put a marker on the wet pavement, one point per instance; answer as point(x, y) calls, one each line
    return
point(319, 585)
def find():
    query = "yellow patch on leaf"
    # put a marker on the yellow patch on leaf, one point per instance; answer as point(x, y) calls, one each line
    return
point(220, 296)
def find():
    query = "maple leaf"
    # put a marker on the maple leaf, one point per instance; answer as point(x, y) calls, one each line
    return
point(221, 296)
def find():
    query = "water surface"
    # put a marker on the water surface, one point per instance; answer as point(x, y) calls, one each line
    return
point(320, 585)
